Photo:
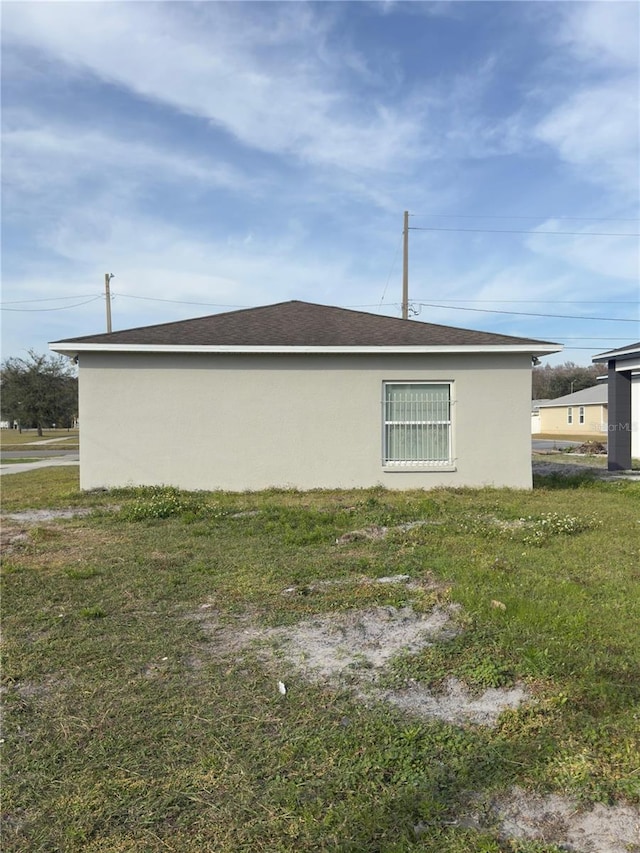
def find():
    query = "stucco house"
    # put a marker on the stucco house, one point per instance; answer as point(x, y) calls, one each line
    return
point(304, 396)
point(583, 413)
point(623, 384)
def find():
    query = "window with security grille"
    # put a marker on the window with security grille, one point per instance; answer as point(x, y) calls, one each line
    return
point(417, 423)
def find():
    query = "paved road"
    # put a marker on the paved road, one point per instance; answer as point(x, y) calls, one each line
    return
point(29, 453)
point(552, 443)
point(39, 442)
point(20, 467)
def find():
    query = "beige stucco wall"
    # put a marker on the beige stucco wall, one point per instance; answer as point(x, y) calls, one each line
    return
point(239, 422)
point(554, 420)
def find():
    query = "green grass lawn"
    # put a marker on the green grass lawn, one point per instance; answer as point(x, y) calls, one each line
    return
point(11, 439)
point(129, 728)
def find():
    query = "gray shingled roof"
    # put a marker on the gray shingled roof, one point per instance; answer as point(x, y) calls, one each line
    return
point(302, 324)
point(587, 396)
point(631, 349)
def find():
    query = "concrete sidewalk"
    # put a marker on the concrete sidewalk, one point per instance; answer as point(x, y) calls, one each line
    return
point(21, 467)
point(47, 441)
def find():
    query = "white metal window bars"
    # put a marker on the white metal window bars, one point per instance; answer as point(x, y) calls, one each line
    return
point(417, 424)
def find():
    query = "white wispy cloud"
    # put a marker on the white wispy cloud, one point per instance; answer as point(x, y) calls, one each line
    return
point(594, 131)
point(40, 156)
point(595, 123)
point(599, 35)
point(615, 257)
point(213, 62)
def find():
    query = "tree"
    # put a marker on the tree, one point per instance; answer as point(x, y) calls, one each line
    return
point(39, 391)
point(551, 382)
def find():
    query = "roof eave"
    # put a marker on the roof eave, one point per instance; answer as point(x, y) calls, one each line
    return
point(560, 404)
point(72, 349)
point(632, 352)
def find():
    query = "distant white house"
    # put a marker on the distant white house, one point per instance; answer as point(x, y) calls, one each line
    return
point(623, 423)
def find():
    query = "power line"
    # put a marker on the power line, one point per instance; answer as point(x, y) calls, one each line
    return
point(454, 308)
point(369, 305)
point(527, 313)
point(61, 308)
point(47, 299)
point(177, 301)
point(533, 233)
point(393, 263)
point(584, 338)
point(555, 301)
point(559, 218)
point(546, 301)
point(571, 349)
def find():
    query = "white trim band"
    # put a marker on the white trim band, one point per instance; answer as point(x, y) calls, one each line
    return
point(69, 348)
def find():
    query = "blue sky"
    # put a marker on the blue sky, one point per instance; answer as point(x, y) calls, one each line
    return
point(221, 155)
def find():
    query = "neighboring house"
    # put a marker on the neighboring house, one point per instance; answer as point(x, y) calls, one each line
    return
point(304, 396)
point(535, 416)
point(583, 413)
point(623, 383)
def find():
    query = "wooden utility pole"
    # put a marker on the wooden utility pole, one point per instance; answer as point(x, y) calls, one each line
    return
point(405, 268)
point(107, 295)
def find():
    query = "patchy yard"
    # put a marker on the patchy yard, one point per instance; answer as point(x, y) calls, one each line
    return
point(364, 671)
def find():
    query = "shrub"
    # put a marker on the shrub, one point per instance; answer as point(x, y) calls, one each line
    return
point(163, 502)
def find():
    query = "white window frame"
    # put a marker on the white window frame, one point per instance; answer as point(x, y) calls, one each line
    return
point(422, 464)
point(570, 415)
point(581, 415)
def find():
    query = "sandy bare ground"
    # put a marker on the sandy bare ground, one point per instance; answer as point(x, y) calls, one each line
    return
point(553, 819)
point(457, 704)
point(356, 647)
point(31, 516)
point(14, 525)
point(353, 649)
point(358, 641)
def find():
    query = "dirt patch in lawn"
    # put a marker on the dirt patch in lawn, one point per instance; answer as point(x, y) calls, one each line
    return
point(553, 819)
point(376, 531)
point(17, 529)
point(456, 704)
point(37, 516)
point(329, 645)
point(10, 537)
point(70, 548)
point(49, 686)
point(355, 648)
point(427, 582)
